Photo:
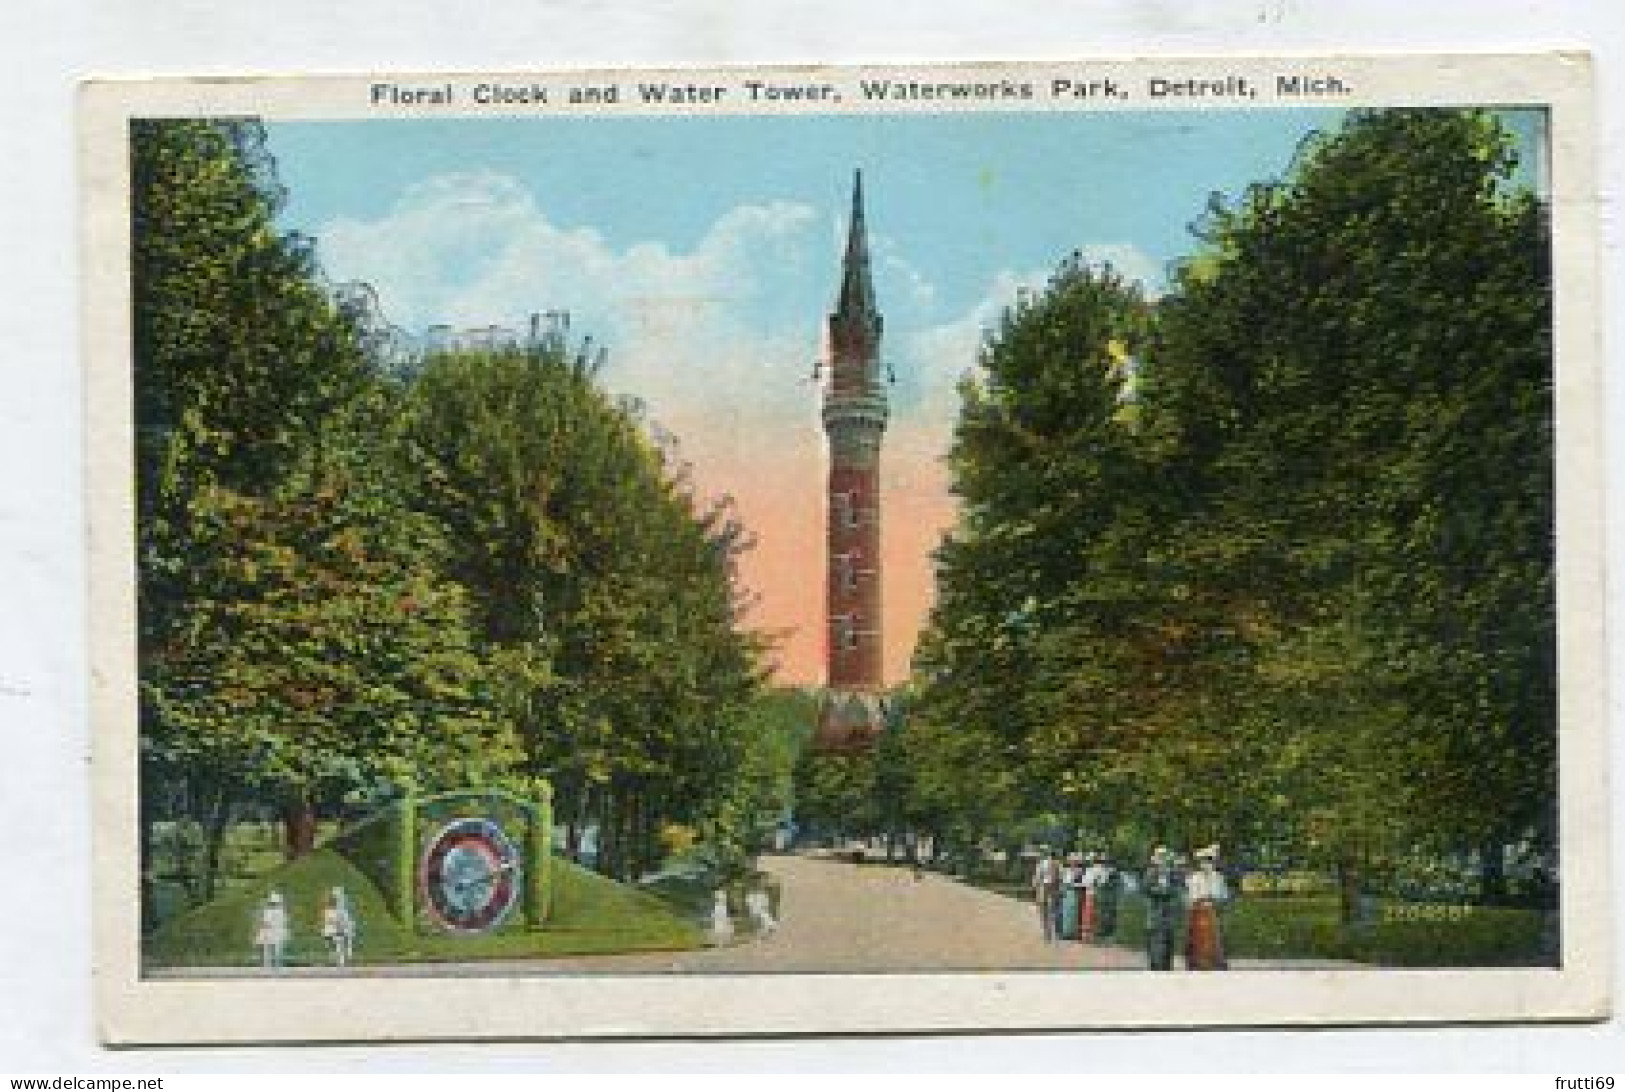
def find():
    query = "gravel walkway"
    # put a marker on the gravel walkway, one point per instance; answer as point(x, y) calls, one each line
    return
point(841, 917)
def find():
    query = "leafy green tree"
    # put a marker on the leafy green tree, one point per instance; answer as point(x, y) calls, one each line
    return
point(1298, 592)
point(835, 795)
point(1356, 383)
point(297, 643)
point(761, 793)
point(605, 591)
point(1051, 487)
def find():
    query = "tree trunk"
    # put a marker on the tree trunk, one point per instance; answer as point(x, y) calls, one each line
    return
point(634, 834)
point(298, 827)
point(614, 844)
point(215, 825)
point(149, 893)
point(605, 863)
point(1348, 889)
point(631, 851)
point(647, 851)
point(569, 812)
point(1492, 871)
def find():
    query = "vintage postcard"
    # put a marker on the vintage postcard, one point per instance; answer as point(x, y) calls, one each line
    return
point(840, 550)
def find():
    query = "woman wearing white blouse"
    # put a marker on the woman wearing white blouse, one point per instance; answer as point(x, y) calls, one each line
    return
point(1094, 880)
point(1206, 892)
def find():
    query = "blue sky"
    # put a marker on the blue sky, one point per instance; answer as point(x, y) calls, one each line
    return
point(964, 208)
point(703, 251)
point(959, 196)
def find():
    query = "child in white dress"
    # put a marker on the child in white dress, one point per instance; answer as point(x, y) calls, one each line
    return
point(761, 912)
point(338, 926)
point(722, 926)
point(271, 936)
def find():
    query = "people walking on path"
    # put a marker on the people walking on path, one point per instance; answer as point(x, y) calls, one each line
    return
point(1108, 887)
point(722, 924)
point(1091, 900)
point(338, 927)
point(1207, 893)
point(1070, 916)
point(271, 932)
point(1159, 885)
point(760, 908)
point(1047, 891)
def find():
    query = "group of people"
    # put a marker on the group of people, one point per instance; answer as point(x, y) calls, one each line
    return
point(274, 930)
point(1078, 903)
point(758, 904)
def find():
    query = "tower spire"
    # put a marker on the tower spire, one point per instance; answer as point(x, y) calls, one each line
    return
point(857, 296)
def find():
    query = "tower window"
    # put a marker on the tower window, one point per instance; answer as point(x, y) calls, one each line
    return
point(843, 508)
point(846, 571)
point(846, 632)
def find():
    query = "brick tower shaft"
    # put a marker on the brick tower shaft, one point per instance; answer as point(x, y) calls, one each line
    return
point(854, 414)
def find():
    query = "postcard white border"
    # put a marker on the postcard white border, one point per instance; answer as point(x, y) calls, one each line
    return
point(133, 1010)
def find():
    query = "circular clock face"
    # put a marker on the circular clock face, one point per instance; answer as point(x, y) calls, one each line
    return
point(469, 876)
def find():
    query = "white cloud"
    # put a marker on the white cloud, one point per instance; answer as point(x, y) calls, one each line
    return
point(1131, 263)
point(472, 250)
point(937, 357)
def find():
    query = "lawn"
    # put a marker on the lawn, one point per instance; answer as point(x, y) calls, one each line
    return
point(591, 915)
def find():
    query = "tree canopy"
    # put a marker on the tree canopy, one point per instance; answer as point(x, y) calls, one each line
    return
point(359, 578)
point(1292, 584)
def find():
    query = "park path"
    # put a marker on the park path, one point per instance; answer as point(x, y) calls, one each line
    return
point(841, 917)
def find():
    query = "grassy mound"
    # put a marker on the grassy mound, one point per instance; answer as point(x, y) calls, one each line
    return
point(591, 915)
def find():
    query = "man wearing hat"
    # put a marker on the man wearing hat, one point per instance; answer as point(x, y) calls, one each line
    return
point(1047, 891)
point(1207, 892)
point(1108, 888)
point(1159, 884)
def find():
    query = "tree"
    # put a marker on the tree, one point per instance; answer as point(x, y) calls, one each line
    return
point(1050, 484)
point(1357, 383)
point(1299, 590)
point(604, 589)
point(296, 640)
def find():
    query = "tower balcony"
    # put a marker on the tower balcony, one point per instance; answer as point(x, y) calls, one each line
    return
point(859, 410)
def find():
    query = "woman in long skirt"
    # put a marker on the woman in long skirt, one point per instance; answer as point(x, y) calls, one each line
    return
point(1070, 911)
point(1091, 898)
point(1207, 892)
